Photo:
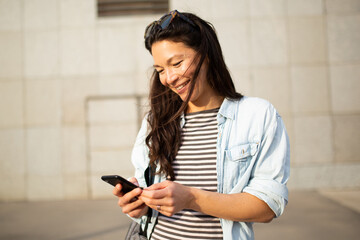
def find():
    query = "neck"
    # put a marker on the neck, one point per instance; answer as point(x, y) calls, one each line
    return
point(211, 103)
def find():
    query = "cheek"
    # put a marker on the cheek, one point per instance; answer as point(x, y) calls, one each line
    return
point(189, 71)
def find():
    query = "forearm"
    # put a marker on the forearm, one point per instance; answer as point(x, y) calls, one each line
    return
point(242, 207)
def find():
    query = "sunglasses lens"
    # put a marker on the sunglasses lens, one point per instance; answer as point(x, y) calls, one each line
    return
point(166, 21)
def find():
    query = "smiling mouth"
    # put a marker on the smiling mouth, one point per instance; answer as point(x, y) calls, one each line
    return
point(182, 86)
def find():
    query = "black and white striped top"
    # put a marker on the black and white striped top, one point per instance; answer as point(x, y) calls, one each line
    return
point(194, 166)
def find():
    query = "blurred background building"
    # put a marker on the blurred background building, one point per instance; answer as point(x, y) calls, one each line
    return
point(73, 88)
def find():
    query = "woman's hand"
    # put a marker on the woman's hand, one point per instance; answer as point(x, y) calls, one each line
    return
point(167, 197)
point(130, 202)
point(170, 197)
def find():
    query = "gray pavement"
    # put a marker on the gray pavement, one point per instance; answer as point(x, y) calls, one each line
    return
point(309, 215)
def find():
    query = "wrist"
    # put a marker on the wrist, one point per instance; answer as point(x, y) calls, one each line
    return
point(192, 203)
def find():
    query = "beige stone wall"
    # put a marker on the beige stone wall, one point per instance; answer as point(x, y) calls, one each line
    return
point(71, 88)
point(68, 82)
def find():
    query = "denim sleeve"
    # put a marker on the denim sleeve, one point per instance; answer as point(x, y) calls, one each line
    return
point(139, 159)
point(139, 155)
point(272, 168)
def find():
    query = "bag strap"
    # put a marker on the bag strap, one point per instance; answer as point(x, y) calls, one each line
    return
point(149, 178)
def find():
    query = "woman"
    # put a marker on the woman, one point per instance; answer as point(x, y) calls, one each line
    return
point(222, 159)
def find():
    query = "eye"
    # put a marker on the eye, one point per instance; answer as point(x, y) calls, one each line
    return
point(177, 64)
point(159, 71)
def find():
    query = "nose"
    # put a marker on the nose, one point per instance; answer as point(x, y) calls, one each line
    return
point(171, 76)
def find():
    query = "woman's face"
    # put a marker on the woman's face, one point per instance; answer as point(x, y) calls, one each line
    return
point(176, 63)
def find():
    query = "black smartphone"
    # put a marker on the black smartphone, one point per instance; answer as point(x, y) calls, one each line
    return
point(115, 179)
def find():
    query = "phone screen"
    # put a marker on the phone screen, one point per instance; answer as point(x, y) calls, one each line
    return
point(115, 179)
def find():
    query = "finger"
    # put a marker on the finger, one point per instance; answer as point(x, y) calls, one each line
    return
point(130, 196)
point(117, 190)
point(139, 211)
point(157, 186)
point(153, 202)
point(165, 210)
point(134, 181)
point(154, 194)
point(131, 206)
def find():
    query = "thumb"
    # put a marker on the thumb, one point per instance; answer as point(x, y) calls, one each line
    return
point(134, 181)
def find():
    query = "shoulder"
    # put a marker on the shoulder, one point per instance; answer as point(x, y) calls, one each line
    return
point(250, 106)
point(255, 102)
point(253, 113)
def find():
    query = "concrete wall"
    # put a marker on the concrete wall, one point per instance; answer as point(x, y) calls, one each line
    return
point(72, 87)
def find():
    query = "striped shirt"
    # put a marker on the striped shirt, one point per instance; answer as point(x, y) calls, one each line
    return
point(194, 166)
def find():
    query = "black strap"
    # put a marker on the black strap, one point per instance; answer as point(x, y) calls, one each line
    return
point(149, 178)
point(149, 175)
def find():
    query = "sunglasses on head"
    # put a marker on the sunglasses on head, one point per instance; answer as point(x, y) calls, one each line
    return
point(165, 21)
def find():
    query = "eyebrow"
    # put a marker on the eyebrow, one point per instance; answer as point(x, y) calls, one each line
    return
point(169, 60)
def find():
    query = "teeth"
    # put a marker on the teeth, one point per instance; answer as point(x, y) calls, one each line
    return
point(181, 86)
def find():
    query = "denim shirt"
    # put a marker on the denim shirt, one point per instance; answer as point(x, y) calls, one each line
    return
point(253, 156)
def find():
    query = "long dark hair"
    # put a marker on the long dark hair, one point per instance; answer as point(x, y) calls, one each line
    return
point(166, 107)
